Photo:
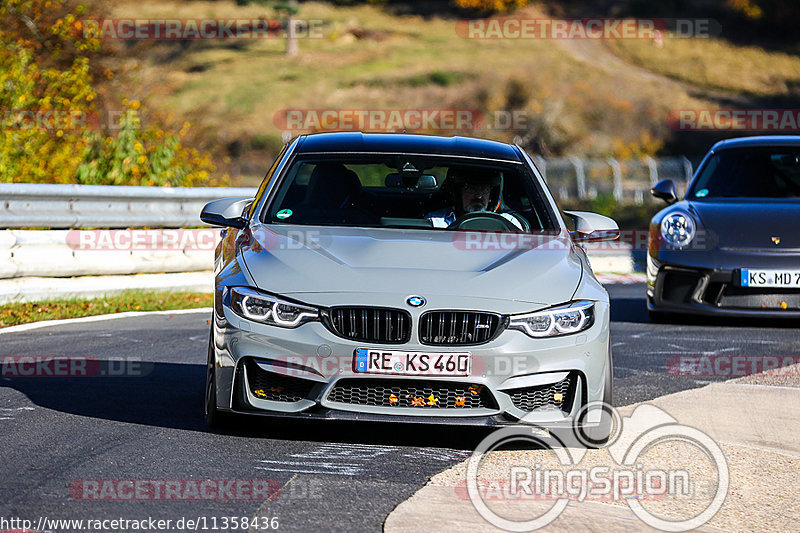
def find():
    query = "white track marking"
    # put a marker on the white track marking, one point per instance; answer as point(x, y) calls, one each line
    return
point(348, 459)
point(6, 412)
point(311, 467)
point(762, 384)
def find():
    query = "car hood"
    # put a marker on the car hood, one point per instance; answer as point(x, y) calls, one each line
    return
point(750, 223)
point(298, 260)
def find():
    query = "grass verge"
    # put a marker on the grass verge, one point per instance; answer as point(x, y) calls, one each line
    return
point(371, 59)
point(16, 313)
point(716, 64)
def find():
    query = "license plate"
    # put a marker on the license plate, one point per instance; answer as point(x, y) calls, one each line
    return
point(770, 278)
point(371, 361)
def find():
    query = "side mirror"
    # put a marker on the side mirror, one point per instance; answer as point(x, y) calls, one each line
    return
point(591, 227)
point(665, 190)
point(228, 212)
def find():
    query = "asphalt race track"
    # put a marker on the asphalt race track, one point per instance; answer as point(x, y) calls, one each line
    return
point(55, 433)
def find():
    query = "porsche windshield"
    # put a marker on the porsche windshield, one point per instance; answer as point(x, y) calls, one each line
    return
point(410, 192)
point(750, 173)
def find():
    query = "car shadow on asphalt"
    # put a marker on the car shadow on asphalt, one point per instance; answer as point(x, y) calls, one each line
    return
point(170, 395)
point(155, 394)
point(635, 310)
point(629, 310)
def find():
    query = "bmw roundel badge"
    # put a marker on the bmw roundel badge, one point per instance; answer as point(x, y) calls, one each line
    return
point(415, 301)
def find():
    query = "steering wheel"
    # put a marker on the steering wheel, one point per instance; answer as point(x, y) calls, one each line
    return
point(483, 220)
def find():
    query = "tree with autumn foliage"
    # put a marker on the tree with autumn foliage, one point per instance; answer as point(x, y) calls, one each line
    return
point(51, 126)
point(489, 7)
point(289, 8)
point(776, 12)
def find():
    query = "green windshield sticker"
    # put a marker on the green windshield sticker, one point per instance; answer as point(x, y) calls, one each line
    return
point(284, 213)
point(701, 193)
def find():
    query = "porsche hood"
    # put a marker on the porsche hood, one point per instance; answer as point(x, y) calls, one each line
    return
point(751, 223)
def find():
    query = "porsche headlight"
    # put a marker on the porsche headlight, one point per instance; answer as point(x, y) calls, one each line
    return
point(678, 229)
point(555, 321)
point(260, 307)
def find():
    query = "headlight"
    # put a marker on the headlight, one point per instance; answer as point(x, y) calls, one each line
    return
point(260, 307)
point(678, 229)
point(555, 321)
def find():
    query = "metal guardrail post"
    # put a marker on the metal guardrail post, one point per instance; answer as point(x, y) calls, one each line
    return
point(31, 205)
point(541, 163)
point(580, 175)
point(653, 168)
point(617, 173)
point(687, 168)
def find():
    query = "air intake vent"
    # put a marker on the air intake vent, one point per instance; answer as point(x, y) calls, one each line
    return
point(458, 328)
point(370, 324)
point(276, 387)
point(420, 394)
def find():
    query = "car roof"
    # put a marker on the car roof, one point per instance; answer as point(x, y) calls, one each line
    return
point(358, 142)
point(758, 140)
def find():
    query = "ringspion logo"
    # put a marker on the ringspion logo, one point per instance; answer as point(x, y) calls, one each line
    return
point(559, 476)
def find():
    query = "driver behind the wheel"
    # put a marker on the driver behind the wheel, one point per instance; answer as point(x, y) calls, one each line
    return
point(473, 190)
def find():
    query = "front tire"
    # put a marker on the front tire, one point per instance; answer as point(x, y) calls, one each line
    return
point(215, 419)
point(595, 437)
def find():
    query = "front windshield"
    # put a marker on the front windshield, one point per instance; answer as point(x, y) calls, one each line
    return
point(410, 192)
point(750, 173)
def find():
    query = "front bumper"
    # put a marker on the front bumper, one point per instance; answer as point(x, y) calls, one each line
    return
point(691, 288)
point(307, 373)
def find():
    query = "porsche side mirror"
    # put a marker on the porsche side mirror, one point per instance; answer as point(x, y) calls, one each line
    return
point(591, 227)
point(665, 190)
point(227, 212)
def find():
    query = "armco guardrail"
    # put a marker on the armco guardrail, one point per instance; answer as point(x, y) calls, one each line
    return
point(628, 181)
point(28, 205)
point(58, 253)
point(39, 264)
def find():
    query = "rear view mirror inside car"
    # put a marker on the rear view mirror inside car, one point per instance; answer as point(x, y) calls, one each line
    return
point(411, 181)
